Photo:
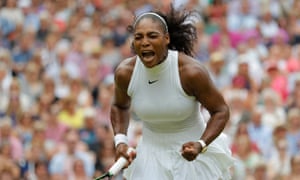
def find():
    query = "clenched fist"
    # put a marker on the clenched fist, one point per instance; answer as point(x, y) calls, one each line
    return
point(190, 150)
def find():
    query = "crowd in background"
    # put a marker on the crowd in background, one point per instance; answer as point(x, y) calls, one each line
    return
point(57, 59)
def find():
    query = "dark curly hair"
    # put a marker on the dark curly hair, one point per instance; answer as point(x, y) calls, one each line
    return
point(181, 30)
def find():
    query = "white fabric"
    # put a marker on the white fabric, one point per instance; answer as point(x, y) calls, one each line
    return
point(170, 119)
point(120, 138)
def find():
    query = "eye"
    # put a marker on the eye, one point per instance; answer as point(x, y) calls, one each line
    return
point(153, 36)
point(137, 37)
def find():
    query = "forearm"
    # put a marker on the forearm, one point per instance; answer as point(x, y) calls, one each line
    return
point(215, 125)
point(119, 119)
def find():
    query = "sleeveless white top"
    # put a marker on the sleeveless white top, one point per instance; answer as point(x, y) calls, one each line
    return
point(158, 98)
point(170, 118)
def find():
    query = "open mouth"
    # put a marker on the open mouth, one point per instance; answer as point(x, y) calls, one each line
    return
point(148, 54)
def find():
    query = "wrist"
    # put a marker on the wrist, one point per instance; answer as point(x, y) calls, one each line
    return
point(203, 146)
point(120, 138)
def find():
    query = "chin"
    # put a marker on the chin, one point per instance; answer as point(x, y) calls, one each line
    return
point(149, 64)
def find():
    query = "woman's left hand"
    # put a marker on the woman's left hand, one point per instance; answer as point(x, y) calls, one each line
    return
point(190, 150)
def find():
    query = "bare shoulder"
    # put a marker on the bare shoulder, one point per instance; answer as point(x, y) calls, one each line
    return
point(191, 66)
point(124, 71)
point(192, 73)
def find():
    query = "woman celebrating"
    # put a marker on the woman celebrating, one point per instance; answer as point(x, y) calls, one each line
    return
point(165, 87)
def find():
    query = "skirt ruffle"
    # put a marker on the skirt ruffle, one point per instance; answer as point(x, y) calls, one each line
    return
point(159, 158)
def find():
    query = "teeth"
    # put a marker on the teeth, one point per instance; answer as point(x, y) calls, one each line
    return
point(147, 54)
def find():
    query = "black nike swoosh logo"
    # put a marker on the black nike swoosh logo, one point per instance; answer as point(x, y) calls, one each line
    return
point(151, 82)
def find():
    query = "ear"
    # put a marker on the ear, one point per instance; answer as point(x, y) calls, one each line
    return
point(132, 47)
point(167, 37)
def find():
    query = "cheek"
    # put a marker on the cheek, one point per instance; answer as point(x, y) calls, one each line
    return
point(159, 48)
point(134, 47)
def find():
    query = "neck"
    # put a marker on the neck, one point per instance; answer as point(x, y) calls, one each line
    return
point(164, 58)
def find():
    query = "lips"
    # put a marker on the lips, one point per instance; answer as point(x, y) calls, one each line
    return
point(147, 54)
point(148, 57)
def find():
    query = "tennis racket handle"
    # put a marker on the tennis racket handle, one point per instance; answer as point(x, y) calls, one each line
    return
point(119, 164)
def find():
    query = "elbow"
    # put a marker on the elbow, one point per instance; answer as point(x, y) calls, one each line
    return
point(222, 114)
point(120, 107)
point(226, 113)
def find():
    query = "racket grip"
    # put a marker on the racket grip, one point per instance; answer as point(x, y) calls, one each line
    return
point(119, 164)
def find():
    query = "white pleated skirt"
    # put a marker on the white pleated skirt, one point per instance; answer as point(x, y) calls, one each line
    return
point(159, 158)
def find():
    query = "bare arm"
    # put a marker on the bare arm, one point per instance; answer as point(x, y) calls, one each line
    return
point(196, 82)
point(120, 110)
point(120, 114)
point(207, 94)
point(201, 86)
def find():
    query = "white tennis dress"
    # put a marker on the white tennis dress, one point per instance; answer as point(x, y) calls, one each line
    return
point(170, 119)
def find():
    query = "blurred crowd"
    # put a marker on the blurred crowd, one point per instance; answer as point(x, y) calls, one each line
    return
point(57, 59)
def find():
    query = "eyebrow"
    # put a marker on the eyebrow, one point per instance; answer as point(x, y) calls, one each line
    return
point(149, 33)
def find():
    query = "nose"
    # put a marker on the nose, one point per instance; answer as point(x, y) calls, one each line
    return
point(145, 42)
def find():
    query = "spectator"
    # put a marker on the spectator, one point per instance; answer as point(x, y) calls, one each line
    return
point(236, 99)
point(244, 149)
point(40, 171)
point(216, 9)
point(8, 168)
point(62, 163)
point(30, 81)
point(44, 27)
point(55, 130)
point(260, 172)
point(294, 28)
point(96, 71)
point(217, 69)
point(243, 21)
point(294, 96)
point(60, 62)
point(16, 101)
point(243, 77)
point(279, 163)
point(7, 134)
point(224, 37)
point(48, 53)
point(255, 47)
point(48, 98)
point(40, 148)
point(295, 168)
point(23, 52)
point(12, 13)
point(293, 131)
point(79, 172)
point(105, 157)
point(268, 27)
point(273, 113)
point(103, 134)
point(87, 134)
point(260, 133)
point(84, 97)
point(5, 80)
point(252, 52)
point(24, 128)
point(293, 61)
point(63, 86)
point(76, 54)
point(201, 48)
point(277, 81)
point(5, 70)
point(104, 101)
point(71, 115)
